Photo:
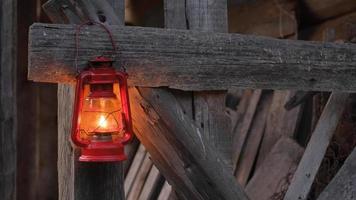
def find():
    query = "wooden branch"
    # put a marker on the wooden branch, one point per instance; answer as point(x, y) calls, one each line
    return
point(315, 151)
point(8, 116)
point(192, 60)
point(343, 185)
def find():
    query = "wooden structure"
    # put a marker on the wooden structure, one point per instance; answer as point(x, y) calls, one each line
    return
point(208, 133)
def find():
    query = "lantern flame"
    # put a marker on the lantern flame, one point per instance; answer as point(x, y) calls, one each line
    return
point(102, 122)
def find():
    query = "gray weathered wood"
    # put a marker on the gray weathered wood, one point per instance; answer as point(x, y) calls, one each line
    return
point(151, 184)
point(209, 107)
point(189, 163)
point(135, 166)
point(175, 16)
point(343, 185)
point(193, 60)
point(315, 151)
point(272, 177)
point(8, 118)
point(140, 178)
point(81, 180)
point(165, 192)
point(66, 157)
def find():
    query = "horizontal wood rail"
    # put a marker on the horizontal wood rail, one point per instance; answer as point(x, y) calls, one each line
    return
point(193, 60)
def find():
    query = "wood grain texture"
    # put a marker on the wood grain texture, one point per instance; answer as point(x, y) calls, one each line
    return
point(189, 163)
point(343, 185)
point(273, 175)
point(316, 148)
point(80, 180)
point(174, 14)
point(8, 116)
point(194, 60)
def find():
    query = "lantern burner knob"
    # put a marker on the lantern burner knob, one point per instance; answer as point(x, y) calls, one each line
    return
point(100, 137)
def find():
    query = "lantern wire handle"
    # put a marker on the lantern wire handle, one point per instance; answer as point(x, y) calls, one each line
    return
point(77, 39)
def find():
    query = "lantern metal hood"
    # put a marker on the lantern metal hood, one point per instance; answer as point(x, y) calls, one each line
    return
point(101, 124)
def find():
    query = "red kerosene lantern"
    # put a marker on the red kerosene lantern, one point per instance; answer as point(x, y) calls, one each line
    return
point(101, 119)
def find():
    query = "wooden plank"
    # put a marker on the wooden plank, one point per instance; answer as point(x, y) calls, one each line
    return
point(66, 157)
point(130, 151)
point(165, 192)
point(241, 132)
point(189, 163)
point(280, 122)
point(273, 175)
point(315, 151)
point(151, 184)
point(136, 164)
point(343, 185)
point(140, 179)
point(8, 115)
point(201, 60)
point(249, 154)
point(80, 180)
point(264, 17)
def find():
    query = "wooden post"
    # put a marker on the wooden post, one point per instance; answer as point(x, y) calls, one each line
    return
point(209, 107)
point(79, 180)
point(8, 117)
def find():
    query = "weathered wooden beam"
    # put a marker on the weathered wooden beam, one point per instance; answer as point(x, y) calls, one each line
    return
point(315, 151)
point(193, 60)
point(189, 163)
point(343, 185)
point(8, 116)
